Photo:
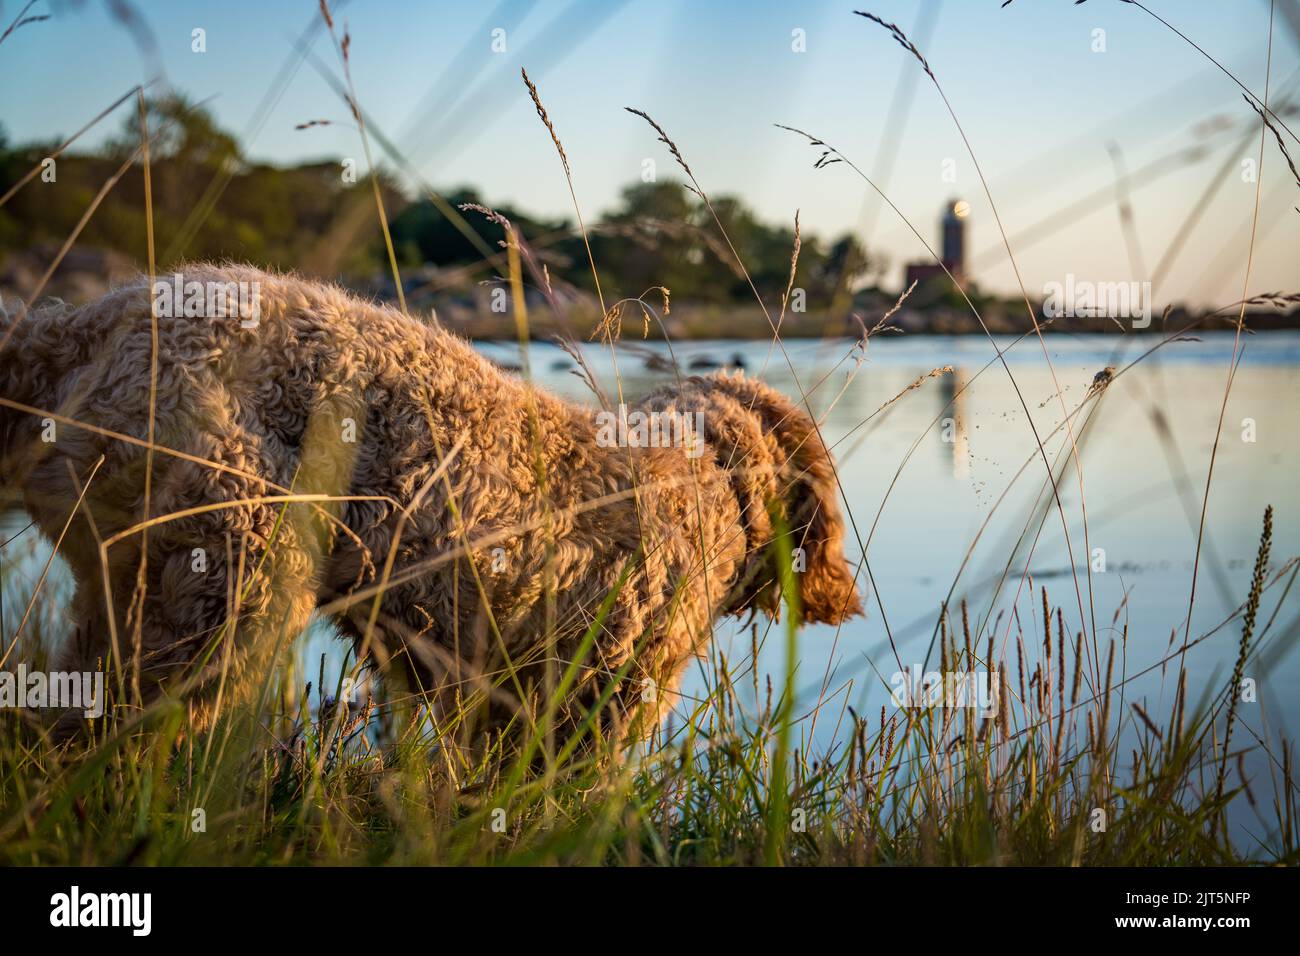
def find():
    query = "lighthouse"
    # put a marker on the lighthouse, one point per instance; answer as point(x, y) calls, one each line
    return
point(952, 247)
point(953, 237)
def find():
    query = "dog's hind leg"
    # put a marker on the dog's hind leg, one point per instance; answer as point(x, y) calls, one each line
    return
point(228, 584)
point(214, 623)
point(87, 648)
point(208, 629)
point(87, 652)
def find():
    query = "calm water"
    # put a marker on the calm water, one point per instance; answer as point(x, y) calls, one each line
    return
point(1143, 484)
point(1143, 490)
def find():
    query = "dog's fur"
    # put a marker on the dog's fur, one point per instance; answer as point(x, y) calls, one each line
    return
point(257, 412)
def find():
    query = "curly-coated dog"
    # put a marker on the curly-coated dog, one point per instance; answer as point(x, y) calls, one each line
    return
point(311, 450)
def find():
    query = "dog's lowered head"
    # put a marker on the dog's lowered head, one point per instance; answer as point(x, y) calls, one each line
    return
point(781, 473)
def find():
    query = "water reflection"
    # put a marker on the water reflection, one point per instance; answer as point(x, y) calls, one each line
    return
point(953, 427)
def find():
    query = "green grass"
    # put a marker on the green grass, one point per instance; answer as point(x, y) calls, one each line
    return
point(729, 780)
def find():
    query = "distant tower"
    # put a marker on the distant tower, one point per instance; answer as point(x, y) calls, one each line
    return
point(952, 248)
point(953, 239)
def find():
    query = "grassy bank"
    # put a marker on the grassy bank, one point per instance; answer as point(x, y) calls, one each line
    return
point(1067, 771)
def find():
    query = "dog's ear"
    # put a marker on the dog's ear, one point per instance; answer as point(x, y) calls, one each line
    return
point(808, 495)
point(827, 593)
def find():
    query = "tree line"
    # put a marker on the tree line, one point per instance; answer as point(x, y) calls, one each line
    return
point(320, 217)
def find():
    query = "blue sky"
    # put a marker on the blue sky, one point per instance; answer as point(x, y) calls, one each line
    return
point(1040, 106)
